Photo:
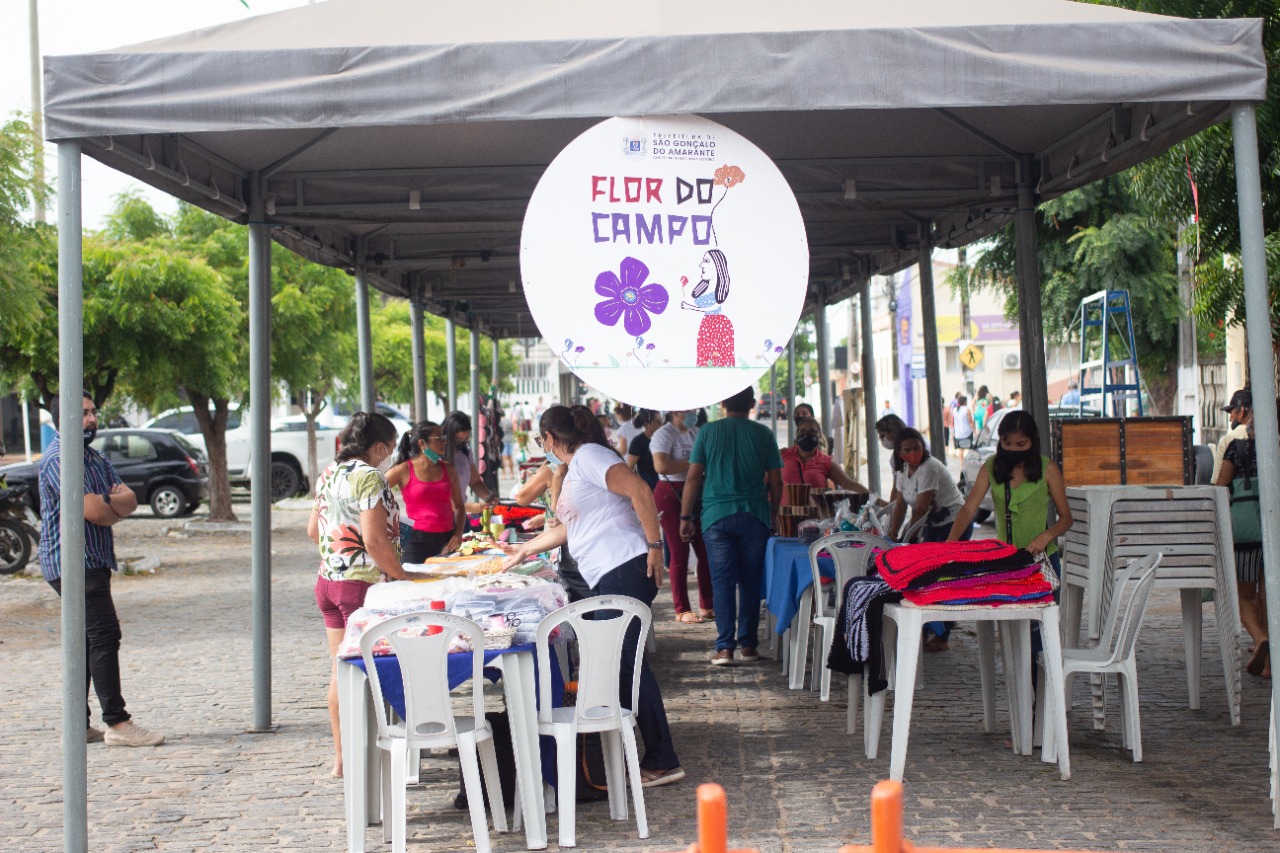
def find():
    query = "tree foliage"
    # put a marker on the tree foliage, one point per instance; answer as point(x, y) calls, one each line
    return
point(392, 332)
point(26, 276)
point(1099, 237)
point(1164, 183)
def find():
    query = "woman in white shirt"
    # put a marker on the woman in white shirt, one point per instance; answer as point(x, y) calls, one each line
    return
point(671, 446)
point(964, 426)
point(611, 525)
point(925, 487)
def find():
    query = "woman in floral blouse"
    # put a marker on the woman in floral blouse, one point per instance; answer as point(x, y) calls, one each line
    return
point(356, 523)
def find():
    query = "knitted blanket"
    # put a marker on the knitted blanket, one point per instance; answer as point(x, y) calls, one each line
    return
point(901, 567)
point(1000, 592)
point(859, 628)
point(963, 582)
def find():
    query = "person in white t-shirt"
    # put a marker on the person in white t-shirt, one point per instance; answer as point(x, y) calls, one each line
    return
point(963, 430)
point(626, 430)
point(671, 446)
point(610, 523)
point(925, 489)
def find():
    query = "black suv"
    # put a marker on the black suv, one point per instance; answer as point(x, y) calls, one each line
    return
point(160, 465)
point(768, 400)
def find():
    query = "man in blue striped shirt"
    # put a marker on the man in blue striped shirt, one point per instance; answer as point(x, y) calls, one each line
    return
point(107, 500)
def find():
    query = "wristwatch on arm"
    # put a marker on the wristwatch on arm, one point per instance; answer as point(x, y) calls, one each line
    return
point(655, 546)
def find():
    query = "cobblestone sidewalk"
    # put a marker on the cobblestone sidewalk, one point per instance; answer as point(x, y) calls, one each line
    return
point(796, 782)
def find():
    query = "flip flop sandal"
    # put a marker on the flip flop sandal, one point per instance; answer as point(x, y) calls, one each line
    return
point(707, 614)
point(688, 617)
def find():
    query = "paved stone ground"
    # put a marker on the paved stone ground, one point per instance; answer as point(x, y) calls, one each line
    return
point(795, 781)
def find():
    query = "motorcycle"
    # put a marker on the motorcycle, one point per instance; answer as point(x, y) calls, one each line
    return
point(19, 528)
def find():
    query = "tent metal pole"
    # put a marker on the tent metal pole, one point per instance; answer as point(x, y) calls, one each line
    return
point(364, 338)
point(1035, 382)
point(419, 357)
point(260, 450)
point(824, 361)
point(869, 388)
point(451, 361)
point(75, 787)
point(791, 387)
point(494, 366)
point(773, 390)
point(932, 370)
point(475, 395)
point(1258, 335)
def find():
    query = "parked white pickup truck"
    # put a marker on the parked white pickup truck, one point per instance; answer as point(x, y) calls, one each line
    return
point(288, 447)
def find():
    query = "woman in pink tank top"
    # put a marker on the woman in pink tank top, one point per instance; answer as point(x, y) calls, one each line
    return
point(432, 497)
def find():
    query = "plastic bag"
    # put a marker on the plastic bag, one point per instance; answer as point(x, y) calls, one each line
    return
point(522, 609)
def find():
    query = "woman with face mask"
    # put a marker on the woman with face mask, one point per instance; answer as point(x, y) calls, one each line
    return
point(436, 514)
point(457, 452)
point(1022, 482)
point(805, 461)
point(924, 487)
point(356, 522)
point(887, 429)
point(608, 517)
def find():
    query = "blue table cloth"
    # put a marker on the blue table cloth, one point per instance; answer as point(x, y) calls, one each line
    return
point(787, 575)
point(459, 672)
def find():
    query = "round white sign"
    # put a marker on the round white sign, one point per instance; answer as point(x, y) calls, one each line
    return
point(666, 259)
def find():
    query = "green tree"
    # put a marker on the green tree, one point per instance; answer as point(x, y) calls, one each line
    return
point(392, 332)
point(806, 353)
point(28, 251)
point(1099, 237)
point(313, 336)
point(1164, 183)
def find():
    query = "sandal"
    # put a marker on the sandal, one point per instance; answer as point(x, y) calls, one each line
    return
point(707, 615)
point(689, 618)
point(657, 778)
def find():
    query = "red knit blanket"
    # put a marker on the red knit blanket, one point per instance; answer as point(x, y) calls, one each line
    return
point(1025, 590)
point(900, 566)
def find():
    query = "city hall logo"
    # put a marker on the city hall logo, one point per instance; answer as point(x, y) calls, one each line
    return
point(634, 145)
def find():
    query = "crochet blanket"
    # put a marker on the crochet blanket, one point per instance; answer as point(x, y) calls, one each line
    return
point(859, 628)
point(1028, 590)
point(904, 566)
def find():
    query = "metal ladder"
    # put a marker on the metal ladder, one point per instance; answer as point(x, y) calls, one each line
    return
point(1105, 317)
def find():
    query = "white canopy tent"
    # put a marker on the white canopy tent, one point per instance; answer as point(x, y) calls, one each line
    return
point(402, 141)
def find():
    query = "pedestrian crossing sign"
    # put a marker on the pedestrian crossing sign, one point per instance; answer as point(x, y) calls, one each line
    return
point(971, 356)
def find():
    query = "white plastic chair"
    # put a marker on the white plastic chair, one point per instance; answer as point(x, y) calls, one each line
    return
point(1115, 652)
point(913, 532)
point(850, 562)
point(429, 719)
point(597, 708)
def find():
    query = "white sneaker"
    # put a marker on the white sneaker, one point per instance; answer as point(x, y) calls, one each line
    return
point(93, 735)
point(130, 734)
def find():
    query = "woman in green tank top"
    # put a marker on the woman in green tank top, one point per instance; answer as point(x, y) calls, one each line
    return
point(1022, 484)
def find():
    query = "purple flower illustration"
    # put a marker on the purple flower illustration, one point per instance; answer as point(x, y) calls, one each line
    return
point(629, 296)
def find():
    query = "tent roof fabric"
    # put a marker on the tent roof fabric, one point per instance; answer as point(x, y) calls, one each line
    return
point(885, 118)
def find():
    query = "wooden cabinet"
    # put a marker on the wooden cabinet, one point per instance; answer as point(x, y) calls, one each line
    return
point(1124, 451)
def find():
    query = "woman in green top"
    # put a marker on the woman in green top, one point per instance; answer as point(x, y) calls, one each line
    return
point(1022, 483)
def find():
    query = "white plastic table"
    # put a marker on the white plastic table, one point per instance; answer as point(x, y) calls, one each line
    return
point(1191, 527)
point(362, 760)
point(910, 620)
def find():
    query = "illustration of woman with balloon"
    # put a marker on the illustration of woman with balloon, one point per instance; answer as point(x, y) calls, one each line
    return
point(715, 332)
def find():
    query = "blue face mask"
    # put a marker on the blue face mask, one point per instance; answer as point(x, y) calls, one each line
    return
point(431, 454)
point(552, 459)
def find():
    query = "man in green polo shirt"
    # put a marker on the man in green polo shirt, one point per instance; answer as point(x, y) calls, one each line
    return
point(736, 470)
